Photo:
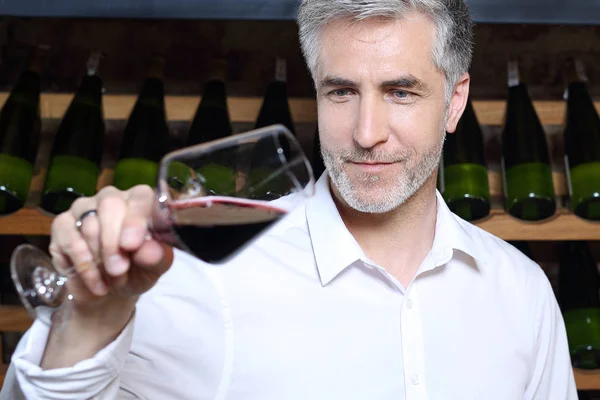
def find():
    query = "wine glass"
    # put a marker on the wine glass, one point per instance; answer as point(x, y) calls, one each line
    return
point(212, 201)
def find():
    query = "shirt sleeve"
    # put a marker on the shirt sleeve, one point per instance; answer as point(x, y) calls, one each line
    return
point(552, 373)
point(95, 378)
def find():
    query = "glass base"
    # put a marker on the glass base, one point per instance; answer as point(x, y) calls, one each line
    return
point(36, 280)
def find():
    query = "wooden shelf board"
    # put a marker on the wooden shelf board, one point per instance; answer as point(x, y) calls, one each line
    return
point(245, 109)
point(563, 226)
point(587, 379)
point(26, 221)
point(14, 319)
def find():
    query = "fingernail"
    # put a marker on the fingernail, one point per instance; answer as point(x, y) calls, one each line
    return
point(116, 265)
point(100, 289)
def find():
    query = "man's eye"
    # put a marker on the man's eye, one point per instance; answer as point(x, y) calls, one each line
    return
point(401, 94)
point(340, 92)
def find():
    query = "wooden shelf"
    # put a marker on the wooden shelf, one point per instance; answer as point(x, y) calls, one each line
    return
point(14, 319)
point(563, 226)
point(587, 379)
point(245, 109)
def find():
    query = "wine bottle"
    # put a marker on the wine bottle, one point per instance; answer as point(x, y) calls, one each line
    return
point(579, 299)
point(582, 145)
point(528, 186)
point(145, 138)
point(77, 149)
point(464, 177)
point(317, 162)
point(211, 122)
point(19, 136)
point(275, 108)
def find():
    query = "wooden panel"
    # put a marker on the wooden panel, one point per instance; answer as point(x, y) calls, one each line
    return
point(245, 109)
point(587, 379)
point(14, 318)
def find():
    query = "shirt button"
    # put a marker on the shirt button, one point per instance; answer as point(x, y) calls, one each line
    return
point(409, 304)
point(415, 379)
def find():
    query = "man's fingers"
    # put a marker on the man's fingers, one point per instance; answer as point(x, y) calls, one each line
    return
point(135, 226)
point(154, 256)
point(71, 251)
point(112, 210)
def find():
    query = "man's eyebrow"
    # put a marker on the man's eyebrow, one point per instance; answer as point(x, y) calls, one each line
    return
point(329, 81)
point(408, 82)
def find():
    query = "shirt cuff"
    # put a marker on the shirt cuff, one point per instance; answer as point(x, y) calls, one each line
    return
point(86, 379)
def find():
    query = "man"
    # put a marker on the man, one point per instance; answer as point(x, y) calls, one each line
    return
point(372, 290)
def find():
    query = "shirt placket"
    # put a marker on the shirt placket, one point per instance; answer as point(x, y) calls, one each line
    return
point(412, 346)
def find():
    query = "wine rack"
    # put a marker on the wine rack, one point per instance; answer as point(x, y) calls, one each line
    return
point(562, 226)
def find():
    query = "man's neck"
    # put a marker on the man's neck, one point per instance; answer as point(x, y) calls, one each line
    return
point(398, 240)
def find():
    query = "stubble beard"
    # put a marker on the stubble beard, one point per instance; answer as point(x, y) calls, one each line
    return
point(370, 193)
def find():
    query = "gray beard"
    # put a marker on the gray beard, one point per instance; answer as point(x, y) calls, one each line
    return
point(402, 187)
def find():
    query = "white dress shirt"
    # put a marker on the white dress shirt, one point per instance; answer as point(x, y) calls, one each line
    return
point(303, 314)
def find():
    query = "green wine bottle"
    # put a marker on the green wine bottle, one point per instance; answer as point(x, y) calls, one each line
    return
point(211, 122)
point(275, 108)
point(19, 136)
point(77, 150)
point(579, 299)
point(582, 145)
point(464, 177)
point(145, 138)
point(528, 186)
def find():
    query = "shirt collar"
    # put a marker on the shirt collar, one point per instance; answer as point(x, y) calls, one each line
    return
point(453, 233)
point(335, 248)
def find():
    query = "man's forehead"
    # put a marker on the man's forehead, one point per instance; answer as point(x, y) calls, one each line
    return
point(390, 46)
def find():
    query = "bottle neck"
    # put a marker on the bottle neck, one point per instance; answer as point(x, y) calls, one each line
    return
point(153, 92)
point(28, 84)
point(514, 76)
point(281, 70)
point(214, 94)
point(90, 91)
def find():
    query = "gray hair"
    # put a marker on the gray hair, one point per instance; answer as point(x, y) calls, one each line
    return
point(451, 53)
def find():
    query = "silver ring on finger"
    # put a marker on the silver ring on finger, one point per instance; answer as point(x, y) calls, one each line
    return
point(79, 222)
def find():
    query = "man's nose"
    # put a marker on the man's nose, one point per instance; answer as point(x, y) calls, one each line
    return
point(372, 127)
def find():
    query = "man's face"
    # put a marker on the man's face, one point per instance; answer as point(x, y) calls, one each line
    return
point(382, 110)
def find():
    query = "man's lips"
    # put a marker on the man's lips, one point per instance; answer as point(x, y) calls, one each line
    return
point(371, 166)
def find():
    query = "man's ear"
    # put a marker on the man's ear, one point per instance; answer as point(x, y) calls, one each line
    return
point(458, 102)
